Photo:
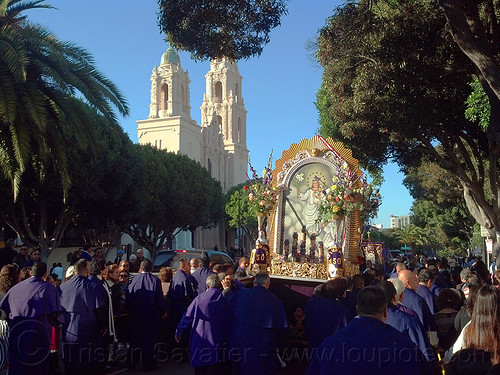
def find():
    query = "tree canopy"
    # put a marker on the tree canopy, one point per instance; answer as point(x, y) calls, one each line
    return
point(395, 87)
point(237, 29)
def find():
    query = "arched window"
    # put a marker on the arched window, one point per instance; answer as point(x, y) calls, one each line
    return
point(218, 92)
point(236, 93)
point(164, 97)
point(209, 167)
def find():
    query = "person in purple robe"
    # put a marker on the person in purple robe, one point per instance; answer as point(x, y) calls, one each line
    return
point(32, 306)
point(182, 290)
point(325, 314)
point(96, 269)
point(147, 308)
point(208, 316)
point(425, 280)
point(368, 346)
point(415, 302)
point(258, 329)
point(200, 274)
point(406, 323)
point(81, 329)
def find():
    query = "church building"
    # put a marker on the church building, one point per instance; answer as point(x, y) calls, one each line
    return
point(218, 143)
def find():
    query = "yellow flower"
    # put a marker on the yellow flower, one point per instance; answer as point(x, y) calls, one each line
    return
point(334, 187)
point(336, 208)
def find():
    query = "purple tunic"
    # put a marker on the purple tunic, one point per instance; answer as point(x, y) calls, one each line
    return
point(200, 275)
point(147, 306)
point(81, 329)
point(208, 315)
point(181, 294)
point(259, 323)
point(368, 346)
point(413, 301)
point(323, 318)
point(29, 304)
point(427, 295)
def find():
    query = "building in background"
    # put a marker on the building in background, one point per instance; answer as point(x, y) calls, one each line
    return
point(400, 221)
point(218, 143)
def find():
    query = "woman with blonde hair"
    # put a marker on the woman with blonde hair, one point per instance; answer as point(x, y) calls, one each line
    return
point(483, 331)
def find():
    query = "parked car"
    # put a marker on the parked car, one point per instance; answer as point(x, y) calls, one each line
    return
point(170, 258)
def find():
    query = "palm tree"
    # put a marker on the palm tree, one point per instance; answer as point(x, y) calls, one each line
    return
point(40, 77)
point(411, 235)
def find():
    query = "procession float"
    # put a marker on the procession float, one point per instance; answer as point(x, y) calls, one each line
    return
point(311, 209)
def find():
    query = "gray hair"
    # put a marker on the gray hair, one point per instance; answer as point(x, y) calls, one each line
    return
point(261, 279)
point(398, 284)
point(213, 281)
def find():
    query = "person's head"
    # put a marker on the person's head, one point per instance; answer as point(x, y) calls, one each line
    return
point(244, 262)
point(81, 268)
point(140, 254)
point(400, 288)
point(24, 250)
point(123, 276)
point(195, 263)
point(369, 263)
point(400, 266)
point(133, 258)
point(25, 273)
point(496, 277)
point(449, 298)
point(10, 243)
point(389, 291)
point(464, 275)
point(372, 302)
point(165, 274)
point(217, 268)
point(184, 265)
point(96, 267)
point(315, 185)
point(469, 361)
point(426, 277)
point(213, 281)
point(262, 279)
point(52, 278)
point(39, 270)
point(35, 254)
point(111, 272)
point(88, 248)
point(8, 277)
point(146, 266)
point(358, 282)
point(124, 265)
point(334, 289)
point(228, 269)
point(409, 279)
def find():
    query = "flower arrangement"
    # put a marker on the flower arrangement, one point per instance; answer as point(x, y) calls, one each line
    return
point(261, 194)
point(347, 194)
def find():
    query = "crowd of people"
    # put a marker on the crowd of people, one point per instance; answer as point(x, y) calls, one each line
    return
point(422, 318)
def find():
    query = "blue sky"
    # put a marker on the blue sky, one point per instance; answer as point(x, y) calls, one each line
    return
point(279, 87)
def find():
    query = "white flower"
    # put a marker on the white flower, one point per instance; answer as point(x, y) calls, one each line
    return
point(300, 177)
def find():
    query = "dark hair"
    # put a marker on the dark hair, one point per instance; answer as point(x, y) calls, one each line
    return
point(371, 301)
point(449, 298)
point(39, 269)
point(218, 268)
point(471, 299)
point(109, 270)
point(334, 289)
point(239, 274)
point(146, 265)
point(389, 290)
point(484, 328)
point(165, 274)
point(24, 273)
point(96, 266)
point(471, 361)
point(425, 275)
point(8, 277)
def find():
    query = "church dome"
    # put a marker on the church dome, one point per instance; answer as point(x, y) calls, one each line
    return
point(170, 57)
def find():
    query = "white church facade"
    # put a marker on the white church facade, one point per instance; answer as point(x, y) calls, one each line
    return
point(218, 143)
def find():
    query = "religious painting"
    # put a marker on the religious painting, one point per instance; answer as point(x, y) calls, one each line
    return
point(302, 200)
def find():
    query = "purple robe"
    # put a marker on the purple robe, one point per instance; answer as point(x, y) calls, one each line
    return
point(427, 295)
point(368, 346)
point(208, 315)
point(323, 318)
point(407, 310)
point(200, 275)
point(29, 305)
point(413, 301)
point(147, 306)
point(81, 330)
point(259, 324)
point(411, 327)
point(181, 294)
